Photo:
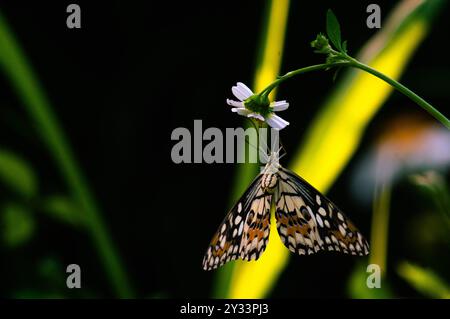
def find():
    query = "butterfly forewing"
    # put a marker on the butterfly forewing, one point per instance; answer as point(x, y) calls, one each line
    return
point(308, 222)
point(244, 231)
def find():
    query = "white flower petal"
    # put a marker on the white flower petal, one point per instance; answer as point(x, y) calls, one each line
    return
point(245, 88)
point(241, 111)
point(279, 105)
point(256, 116)
point(276, 122)
point(235, 103)
point(241, 91)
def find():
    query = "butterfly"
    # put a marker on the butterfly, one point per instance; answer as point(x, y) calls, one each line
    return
point(307, 221)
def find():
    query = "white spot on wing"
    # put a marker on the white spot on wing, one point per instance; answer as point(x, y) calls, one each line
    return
point(291, 240)
point(342, 230)
point(319, 220)
point(241, 226)
point(322, 211)
point(299, 238)
point(260, 244)
point(334, 239)
point(308, 242)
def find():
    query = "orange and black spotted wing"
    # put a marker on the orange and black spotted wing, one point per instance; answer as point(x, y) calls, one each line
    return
point(308, 222)
point(245, 230)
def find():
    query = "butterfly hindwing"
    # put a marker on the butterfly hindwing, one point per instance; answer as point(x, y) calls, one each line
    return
point(257, 227)
point(296, 224)
point(308, 222)
point(244, 231)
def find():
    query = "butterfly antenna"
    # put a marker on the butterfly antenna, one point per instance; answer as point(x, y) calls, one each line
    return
point(281, 148)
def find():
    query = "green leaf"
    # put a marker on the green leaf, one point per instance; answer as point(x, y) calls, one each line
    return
point(17, 174)
point(336, 73)
point(344, 46)
point(333, 30)
point(63, 209)
point(321, 45)
point(17, 224)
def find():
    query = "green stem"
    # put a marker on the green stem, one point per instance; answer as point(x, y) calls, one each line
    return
point(356, 64)
point(403, 89)
point(291, 74)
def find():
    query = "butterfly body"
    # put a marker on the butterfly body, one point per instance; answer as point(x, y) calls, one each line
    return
point(307, 221)
point(268, 182)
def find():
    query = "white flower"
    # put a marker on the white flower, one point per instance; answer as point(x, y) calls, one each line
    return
point(257, 109)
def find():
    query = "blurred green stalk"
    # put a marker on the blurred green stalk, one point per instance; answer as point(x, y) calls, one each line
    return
point(424, 280)
point(26, 84)
point(269, 58)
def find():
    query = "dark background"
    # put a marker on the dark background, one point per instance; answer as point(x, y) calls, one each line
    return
point(122, 83)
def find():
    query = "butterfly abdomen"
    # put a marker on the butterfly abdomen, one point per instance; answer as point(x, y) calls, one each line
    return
point(268, 182)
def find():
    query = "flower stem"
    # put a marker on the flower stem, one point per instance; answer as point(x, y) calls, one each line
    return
point(291, 74)
point(403, 89)
point(349, 61)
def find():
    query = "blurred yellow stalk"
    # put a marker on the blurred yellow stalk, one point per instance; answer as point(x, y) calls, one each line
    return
point(380, 226)
point(334, 135)
point(266, 72)
point(269, 67)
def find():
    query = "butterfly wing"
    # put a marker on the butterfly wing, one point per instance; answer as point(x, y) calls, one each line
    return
point(307, 221)
point(245, 230)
